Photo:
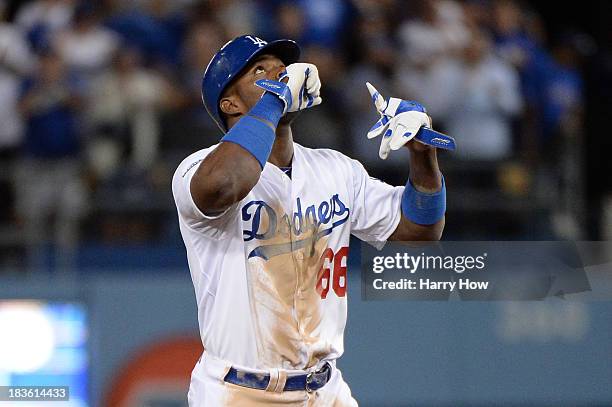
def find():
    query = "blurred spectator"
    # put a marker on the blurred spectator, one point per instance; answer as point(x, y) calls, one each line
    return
point(156, 29)
point(318, 26)
point(323, 23)
point(15, 62)
point(237, 17)
point(125, 102)
point(201, 43)
point(562, 147)
point(563, 87)
point(484, 97)
point(377, 58)
point(436, 35)
point(477, 14)
point(86, 46)
point(326, 20)
point(192, 123)
point(40, 19)
point(49, 101)
point(49, 178)
point(322, 128)
point(291, 22)
point(515, 45)
point(121, 82)
point(437, 30)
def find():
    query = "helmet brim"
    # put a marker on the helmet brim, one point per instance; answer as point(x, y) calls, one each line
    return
point(286, 50)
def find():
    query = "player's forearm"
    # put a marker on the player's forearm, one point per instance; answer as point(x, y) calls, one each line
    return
point(409, 231)
point(424, 200)
point(424, 171)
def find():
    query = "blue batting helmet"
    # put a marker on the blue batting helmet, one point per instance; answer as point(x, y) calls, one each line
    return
point(231, 59)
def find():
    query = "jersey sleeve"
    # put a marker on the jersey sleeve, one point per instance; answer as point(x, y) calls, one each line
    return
point(214, 227)
point(376, 207)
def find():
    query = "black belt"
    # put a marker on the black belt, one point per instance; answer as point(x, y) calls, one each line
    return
point(310, 382)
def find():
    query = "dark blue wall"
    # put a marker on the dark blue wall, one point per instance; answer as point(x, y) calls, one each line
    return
point(397, 353)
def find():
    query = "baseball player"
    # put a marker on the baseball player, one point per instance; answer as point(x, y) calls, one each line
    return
point(266, 223)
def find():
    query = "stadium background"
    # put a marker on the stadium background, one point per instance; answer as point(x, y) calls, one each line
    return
point(101, 100)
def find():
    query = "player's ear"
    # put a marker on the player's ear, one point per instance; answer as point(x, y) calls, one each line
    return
point(230, 105)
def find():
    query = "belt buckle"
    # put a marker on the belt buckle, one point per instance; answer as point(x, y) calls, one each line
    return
point(309, 378)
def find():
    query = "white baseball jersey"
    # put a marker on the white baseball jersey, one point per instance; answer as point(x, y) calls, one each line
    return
point(270, 271)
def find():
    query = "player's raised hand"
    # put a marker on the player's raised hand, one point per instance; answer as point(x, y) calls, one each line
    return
point(299, 87)
point(305, 85)
point(402, 121)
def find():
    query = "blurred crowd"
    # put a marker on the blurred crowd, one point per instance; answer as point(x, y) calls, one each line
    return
point(101, 100)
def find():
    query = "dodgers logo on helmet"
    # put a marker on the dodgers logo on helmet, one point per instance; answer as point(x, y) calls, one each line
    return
point(231, 59)
point(257, 41)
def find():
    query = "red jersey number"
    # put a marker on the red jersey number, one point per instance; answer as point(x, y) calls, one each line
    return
point(338, 277)
point(323, 276)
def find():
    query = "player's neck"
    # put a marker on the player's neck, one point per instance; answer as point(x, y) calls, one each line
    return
point(282, 149)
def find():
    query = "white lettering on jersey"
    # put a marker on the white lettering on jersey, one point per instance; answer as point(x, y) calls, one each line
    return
point(312, 218)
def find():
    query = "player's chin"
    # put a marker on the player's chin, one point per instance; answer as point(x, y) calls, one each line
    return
point(289, 117)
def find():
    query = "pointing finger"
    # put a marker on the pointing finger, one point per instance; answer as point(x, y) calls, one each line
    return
point(377, 98)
